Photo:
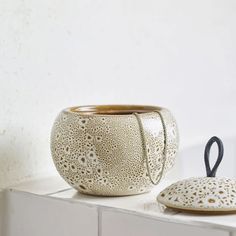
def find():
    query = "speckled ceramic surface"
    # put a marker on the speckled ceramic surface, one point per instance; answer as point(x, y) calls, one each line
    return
point(205, 195)
point(201, 194)
point(98, 149)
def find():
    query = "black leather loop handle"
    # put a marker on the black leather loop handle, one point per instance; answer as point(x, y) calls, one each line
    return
point(212, 172)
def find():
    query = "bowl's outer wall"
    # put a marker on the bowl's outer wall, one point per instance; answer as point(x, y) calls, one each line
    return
point(103, 154)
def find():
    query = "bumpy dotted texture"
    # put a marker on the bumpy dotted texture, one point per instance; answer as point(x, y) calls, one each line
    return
point(102, 154)
point(202, 194)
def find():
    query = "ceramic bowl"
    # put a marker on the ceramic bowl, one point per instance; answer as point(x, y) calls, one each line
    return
point(99, 150)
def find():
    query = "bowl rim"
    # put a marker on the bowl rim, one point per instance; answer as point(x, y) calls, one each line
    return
point(113, 109)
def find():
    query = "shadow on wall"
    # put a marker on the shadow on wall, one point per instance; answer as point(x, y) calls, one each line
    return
point(20, 150)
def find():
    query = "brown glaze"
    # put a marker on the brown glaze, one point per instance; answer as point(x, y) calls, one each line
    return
point(201, 212)
point(113, 109)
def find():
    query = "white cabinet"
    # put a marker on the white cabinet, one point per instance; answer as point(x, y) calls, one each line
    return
point(37, 211)
point(118, 223)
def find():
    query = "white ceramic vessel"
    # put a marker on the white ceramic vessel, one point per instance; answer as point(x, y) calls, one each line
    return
point(114, 150)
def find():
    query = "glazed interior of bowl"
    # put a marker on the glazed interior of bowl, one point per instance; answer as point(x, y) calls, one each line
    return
point(113, 109)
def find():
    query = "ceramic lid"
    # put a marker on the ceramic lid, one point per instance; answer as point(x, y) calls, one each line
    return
point(203, 194)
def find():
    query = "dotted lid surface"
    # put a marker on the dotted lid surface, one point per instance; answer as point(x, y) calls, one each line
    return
point(201, 194)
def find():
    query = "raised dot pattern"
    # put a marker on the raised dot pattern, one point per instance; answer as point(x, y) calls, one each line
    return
point(102, 154)
point(205, 193)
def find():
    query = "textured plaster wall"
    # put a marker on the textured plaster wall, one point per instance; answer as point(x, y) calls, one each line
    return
point(54, 54)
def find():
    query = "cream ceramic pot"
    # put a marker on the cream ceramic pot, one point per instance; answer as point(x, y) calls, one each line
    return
point(114, 150)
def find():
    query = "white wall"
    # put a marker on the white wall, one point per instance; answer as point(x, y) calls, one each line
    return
point(54, 54)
